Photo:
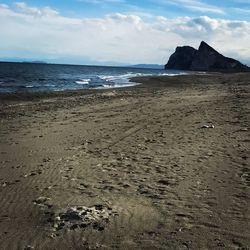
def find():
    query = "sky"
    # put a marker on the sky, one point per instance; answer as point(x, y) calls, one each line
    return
point(121, 32)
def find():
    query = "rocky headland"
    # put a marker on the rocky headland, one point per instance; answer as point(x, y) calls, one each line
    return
point(205, 58)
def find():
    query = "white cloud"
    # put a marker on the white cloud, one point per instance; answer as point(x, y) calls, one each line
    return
point(194, 5)
point(4, 6)
point(42, 32)
point(242, 11)
point(25, 9)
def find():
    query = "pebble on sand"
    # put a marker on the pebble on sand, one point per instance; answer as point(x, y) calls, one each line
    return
point(207, 126)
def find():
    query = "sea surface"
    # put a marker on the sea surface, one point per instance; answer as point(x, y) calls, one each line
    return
point(34, 77)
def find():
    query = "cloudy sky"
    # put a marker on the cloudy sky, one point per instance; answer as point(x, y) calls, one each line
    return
point(116, 32)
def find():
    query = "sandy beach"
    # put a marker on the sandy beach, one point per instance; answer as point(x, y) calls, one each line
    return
point(162, 165)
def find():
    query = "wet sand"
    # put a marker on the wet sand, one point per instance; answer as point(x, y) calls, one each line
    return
point(128, 168)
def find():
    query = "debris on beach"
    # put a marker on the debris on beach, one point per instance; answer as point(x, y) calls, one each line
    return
point(80, 217)
point(4, 184)
point(244, 129)
point(41, 200)
point(28, 247)
point(207, 126)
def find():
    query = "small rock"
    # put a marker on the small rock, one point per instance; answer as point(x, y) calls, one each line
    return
point(52, 235)
point(99, 207)
point(244, 129)
point(28, 248)
point(207, 126)
point(41, 200)
point(46, 159)
point(57, 218)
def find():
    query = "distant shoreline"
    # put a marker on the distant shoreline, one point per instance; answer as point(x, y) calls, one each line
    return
point(139, 66)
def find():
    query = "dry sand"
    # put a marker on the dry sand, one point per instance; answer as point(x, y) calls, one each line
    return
point(137, 159)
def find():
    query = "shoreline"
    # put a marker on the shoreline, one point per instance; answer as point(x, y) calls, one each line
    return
point(134, 162)
point(139, 81)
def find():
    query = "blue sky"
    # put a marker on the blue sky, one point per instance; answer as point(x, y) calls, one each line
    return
point(121, 31)
point(230, 9)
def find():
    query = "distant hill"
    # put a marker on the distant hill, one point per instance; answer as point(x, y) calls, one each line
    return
point(205, 58)
point(147, 66)
point(39, 62)
point(20, 60)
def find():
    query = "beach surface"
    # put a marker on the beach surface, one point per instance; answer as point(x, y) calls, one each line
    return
point(162, 165)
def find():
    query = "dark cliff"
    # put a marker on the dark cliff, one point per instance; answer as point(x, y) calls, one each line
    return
point(204, 59)
point(182, 58)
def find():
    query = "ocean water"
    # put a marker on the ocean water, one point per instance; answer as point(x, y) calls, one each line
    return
point(34, 77)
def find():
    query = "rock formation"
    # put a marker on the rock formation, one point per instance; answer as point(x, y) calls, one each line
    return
point(204, 59)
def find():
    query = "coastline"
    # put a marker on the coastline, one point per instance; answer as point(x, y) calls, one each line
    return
point(141, 82)
point(139, 151)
